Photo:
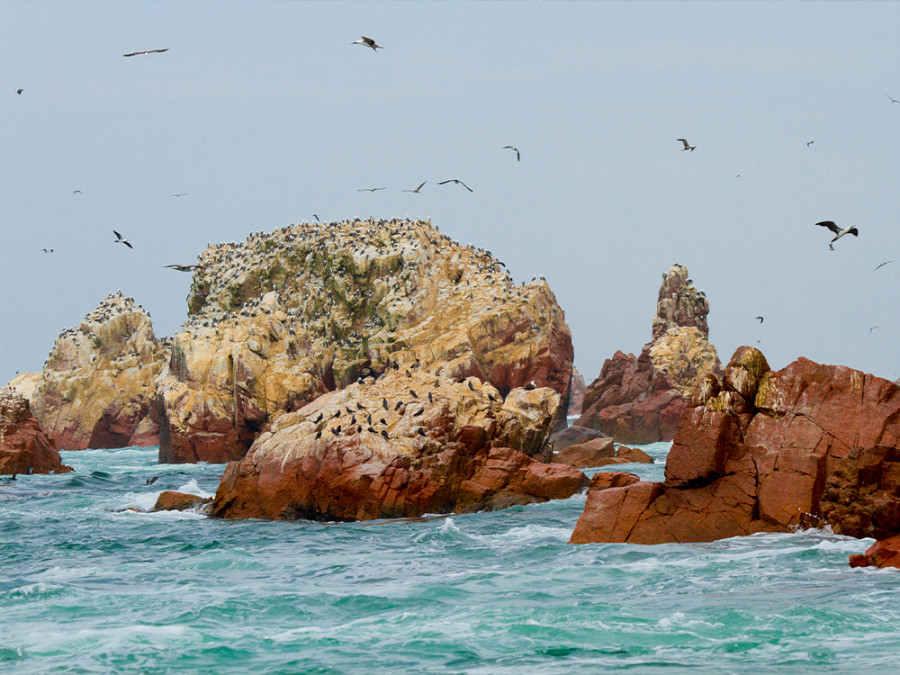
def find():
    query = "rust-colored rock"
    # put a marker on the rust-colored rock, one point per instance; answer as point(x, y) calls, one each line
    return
point(576, 393)
point(400, 446)
point(883, 553)
point(768, 451)
point(171, 500)
point(283, 318)
point(640, 399)
point(98, 383)
point(24, 447)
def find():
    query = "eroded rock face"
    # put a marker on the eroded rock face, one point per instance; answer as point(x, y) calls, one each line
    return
point(640, 399)
point(576, 393)
point(97, 385)
point(766, 451)
point(400, 446)
point(284, 317)
point(24, 384)
point(24, 447)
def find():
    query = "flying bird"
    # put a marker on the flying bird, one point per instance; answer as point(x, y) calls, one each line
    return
point(892, 99)
point(872, 328)
point(370, 189)
point(416, 191)
point(121, 240)
point(838, 232)
point(19, 91)
point(687, 146)
point(809, 143)
point(760, 319)
point(514, 149)
point(458, 182)
point(47, 250)
point(886, 262)
point(179, 194)
point(182, 268)
point(147, 51)
point(76, 192)
point(367, 42)
point(316, 217)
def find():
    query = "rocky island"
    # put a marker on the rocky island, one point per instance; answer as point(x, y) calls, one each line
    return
point(24, 447)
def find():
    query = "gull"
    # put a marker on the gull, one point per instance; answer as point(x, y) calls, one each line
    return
point(687, 146)
point(514, 149)
point(19, 91)
point(370, 189)
point(416, 191)
point(182, 268)
point(886, 262)
point(179, 194)
point(47, 250)
point(121, 240)
point(760, 319)
point(838, 232)
point(147, 51)
point(809, 143)
point(892, 99)
point(367, 42)
point(457, 181)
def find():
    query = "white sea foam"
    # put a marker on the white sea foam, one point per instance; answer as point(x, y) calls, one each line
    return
point(192, 487)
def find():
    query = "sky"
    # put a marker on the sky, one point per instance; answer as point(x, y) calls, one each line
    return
point(265, 113)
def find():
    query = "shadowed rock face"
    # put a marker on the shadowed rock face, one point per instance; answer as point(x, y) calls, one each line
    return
point(24, 447)
point(766, 451)
point(400, 446)
point(640, 399)
point(98, 382)
point(284, 317)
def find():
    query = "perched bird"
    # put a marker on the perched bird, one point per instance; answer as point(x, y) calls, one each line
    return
point(687, 146)
point(19, 91)
point(430, 398)
point(319, 418)
point(121, 240)
point(760, 319)
point(367, 42)
point(384, 403)
point(531, 385)
point(515, 150)
point(182, 268)
point(457, 181)
point(892, 99)
point(370, 189)
point(886, 262)
point(147, 51)
point(384, 433)
point(319, 434)
point(416, 191)
point(838, 232)
point(412, 392)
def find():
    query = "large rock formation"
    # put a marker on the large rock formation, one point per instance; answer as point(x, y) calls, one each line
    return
point(400, 446)
point(24, 447)
point(282, 318)
point(640, 399)
point(766, 451)
point(97, 385)
point(24, 384)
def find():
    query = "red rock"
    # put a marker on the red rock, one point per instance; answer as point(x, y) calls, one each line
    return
point(768, 451)
point(633, 455)
point(883, 553)
point(587, 454)
point(576, 393)
point(604, 480)
point(573, 435)
point(24, 447)
point(170, 500)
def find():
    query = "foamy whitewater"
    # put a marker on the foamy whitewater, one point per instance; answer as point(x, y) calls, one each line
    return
point(88, 587)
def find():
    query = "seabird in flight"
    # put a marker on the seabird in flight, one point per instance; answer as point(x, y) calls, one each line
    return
point(121, 240)
point(179, 194)
point(182, 268)
point(370, 189)
point(316, 217)
point(838, 232)
point(892, 99)
point(19, 91)
point(367, 42)
point(416, 191)
point(687, 146)
point(457, 181)
point(147, 51)
point(882, 265)
point(760, 319)
point(514, 149)
point(872, 328)
point(809, 143)
point(76, 192)
point(47, 250)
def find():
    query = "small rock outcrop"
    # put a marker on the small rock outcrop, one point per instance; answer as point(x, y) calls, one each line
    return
point(24, 447)
point(171, 500)
point(400, 446)
point(98, 383)
point(599, 452)
point(282, 318)
point(762, 451)
point(576, 393)
point(639, 399)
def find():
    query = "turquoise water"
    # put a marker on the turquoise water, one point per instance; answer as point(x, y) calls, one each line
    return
point(86, 587)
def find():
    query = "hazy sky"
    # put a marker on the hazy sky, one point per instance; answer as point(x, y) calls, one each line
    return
point(265, 114)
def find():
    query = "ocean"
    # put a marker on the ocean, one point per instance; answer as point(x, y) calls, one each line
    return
point(87, 586)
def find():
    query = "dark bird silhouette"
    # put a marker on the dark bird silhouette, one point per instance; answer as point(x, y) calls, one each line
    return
point(384, 433)
point(151, 481)
point(457, 181)
point(370, 189)
point(360, 406)
point(179, 194)
point(316, 217)
point(760, 319)
point(892, 99)
point(19, 91)
point(182, 268)
point(147, 51)
point(430, 398)
point(336, 430)
point(471, 387)
point(412, 392)
point(838, 232)
point(398, 406)
point(384, 403)
point(687, 146)
point(418, 412)
point(416, 191)
point(515, 150)
point(319, 434)
point(367, 42)
point(809, 143)
point(420, 431)
point(47, 250)
point(121, 240)
point(872, 328)
point(886, 262)
point(531, 385)
point(319, 418)
point(76, 192)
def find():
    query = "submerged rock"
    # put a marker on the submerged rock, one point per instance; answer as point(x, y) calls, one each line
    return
point(97, 385)
point(400, 446)
point(24, 447)
point(277, 321)
point(808, 445)
point(170, 500)
point(640, 399)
